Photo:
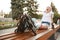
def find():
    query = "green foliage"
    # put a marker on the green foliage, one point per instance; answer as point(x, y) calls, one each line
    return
point(19, 5)
point(32, 8)
point(17, 8)
point(5, 25)
point(36, 16)
point(56, 15)
point(8, 15)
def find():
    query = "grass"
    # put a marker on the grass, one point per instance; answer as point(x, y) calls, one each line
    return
point(6, 27)
point(3, 25)
point(7, 22)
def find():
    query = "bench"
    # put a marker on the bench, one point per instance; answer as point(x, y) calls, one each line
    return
point(41, 35)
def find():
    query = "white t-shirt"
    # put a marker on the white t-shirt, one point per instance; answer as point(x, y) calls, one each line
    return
point(47, 17)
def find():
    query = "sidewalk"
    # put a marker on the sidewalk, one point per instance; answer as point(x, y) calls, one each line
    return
point(58, 38)
point(7, 31)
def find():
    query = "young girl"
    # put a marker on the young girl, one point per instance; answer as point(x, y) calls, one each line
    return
point(47, 18)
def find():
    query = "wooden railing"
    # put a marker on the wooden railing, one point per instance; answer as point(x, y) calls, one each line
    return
point(41, 35)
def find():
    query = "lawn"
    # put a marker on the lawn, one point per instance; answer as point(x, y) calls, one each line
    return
point(5, 25)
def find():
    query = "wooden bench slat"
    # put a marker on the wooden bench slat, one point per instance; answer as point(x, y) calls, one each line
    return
point(28, 35)
point(46, 36)
point(8, 36)
point(18, 35)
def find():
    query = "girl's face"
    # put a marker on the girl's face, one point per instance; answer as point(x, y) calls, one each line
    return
point(48, 9)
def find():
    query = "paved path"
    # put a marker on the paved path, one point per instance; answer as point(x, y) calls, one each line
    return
point(7, 31)
point(58, 36)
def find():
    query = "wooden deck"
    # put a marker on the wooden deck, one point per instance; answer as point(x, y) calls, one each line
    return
point(41, 35)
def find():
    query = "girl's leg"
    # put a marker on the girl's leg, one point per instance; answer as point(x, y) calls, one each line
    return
point(43, 27)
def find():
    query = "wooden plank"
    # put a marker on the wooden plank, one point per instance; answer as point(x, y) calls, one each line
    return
point(7, 36)
point(46, 36)
point(39, 35)
point(28, 35)
point(24, 35)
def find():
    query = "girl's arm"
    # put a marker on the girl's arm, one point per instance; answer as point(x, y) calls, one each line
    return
point(52, 15)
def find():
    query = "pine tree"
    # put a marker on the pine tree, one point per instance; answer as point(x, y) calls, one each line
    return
point(56, 15)
point(19, 5)
point(54, 8)
point(32, 7)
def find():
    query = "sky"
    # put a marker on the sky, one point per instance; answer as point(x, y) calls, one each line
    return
point(44, 3)
point(5, 5)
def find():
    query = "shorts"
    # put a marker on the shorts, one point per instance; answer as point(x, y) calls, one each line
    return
point(45, 23)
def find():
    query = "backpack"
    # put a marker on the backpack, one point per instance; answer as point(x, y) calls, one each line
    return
point(25, 23)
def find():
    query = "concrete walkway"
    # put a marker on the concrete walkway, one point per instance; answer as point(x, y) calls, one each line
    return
point(7, 31)
point(58, 38)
